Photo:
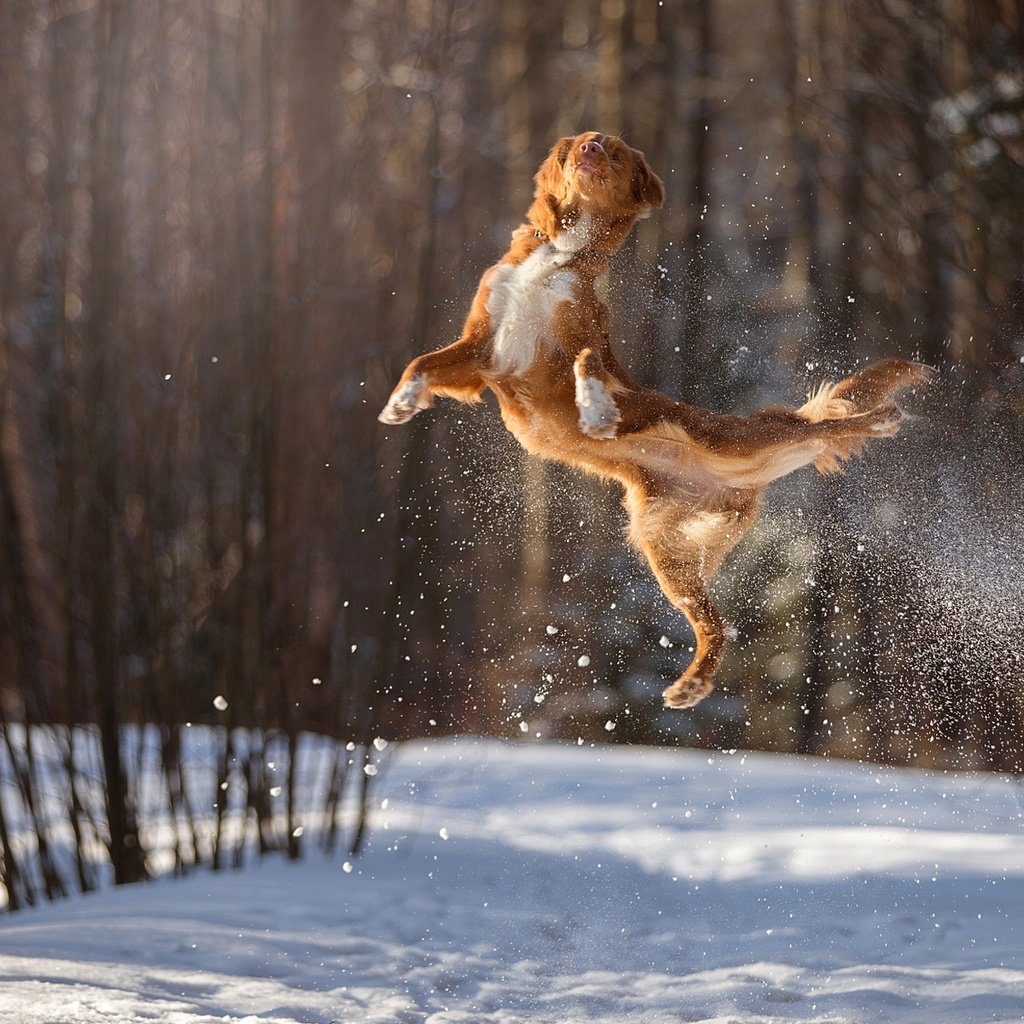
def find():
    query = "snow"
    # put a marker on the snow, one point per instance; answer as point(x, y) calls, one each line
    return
point(541, 883)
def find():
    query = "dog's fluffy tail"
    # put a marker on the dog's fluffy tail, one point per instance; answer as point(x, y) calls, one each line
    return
point(870, 390)
point(864, 391)
point(881, 382)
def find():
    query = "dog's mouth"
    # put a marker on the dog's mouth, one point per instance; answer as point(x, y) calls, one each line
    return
point(592, 169)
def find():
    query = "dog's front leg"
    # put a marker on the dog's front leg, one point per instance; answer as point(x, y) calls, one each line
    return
point(411, 395)
point(599, 415)
point(453, 369)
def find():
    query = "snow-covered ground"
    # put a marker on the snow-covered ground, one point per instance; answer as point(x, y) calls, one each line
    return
point(528, 883)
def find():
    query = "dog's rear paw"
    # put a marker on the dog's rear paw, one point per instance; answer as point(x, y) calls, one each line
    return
point(886, 420)
point(412, 397)
point(686, 692)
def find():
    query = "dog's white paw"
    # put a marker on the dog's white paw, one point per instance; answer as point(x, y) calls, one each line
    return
point(686, 692)
point(599, 415)
point(887, 421)
point(412, 397)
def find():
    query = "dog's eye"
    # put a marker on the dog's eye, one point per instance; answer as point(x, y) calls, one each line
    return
point(616, 158)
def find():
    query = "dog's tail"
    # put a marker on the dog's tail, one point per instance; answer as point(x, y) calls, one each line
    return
point(870, 391)
point(881, 382)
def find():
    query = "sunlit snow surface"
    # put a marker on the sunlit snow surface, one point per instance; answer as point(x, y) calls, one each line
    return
point(544, 883)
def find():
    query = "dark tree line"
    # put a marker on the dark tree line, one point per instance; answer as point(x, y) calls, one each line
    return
point(225, 226)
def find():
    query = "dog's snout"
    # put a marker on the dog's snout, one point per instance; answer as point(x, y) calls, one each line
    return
point(592, 148)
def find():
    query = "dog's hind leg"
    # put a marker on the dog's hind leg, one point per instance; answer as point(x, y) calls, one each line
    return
point(684, 547)
point(682, 584)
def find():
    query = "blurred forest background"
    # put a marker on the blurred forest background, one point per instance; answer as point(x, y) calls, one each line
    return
point(225, 226)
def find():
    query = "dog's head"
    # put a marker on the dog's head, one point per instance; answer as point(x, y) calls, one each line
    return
point(596, 174)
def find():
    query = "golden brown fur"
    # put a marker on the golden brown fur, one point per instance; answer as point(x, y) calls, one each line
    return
point(537, 336)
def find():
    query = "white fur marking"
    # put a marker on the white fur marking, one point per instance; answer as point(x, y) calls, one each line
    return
point(888, 426)
point(573, 238)
point(409, 393)
point(599, 415)
point(522, 305)
point(702, 526)
point(406, 401)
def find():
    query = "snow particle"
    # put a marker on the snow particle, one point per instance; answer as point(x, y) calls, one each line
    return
point(584, 660)
point(443, 833)
point(220, 703)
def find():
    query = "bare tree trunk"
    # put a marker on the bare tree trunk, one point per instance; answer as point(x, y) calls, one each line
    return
point(611, 65)
point(932, 159)
point(698, 197)
point(812, 692)
point(258, 791)
point(334, 799)
point(63, 168)
point(25, 656)
point(804, 272)
point(19, 893)
point(104, 503)
point(363, 802)
point(225, 757)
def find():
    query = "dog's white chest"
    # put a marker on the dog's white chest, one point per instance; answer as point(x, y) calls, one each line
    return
point(522, 306)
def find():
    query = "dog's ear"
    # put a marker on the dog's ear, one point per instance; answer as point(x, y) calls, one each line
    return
point(551, 188)
point(647, 186)
point(550, 177)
